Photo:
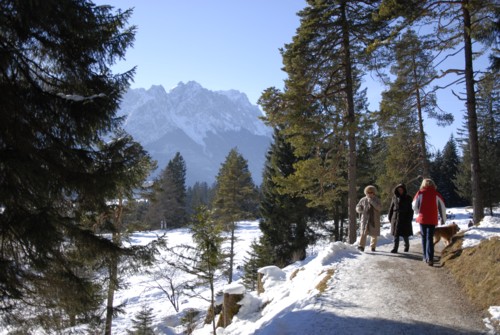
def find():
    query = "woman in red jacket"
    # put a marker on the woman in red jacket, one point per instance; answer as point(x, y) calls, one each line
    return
point(428, 204)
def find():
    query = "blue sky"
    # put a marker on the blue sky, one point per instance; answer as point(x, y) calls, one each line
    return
point(221, 44)
point(231, 44)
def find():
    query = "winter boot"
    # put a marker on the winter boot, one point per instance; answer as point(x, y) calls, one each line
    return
point(407, 244)
point(396, 245)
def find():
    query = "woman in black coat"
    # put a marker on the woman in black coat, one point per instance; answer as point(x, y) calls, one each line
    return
point(401, 216)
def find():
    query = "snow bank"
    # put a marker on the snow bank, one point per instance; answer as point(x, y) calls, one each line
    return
point(488, 228)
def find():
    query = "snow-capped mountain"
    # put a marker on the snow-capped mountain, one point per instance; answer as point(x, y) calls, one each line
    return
point(202, 125)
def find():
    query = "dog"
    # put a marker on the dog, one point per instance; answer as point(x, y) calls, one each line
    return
point(445, 233)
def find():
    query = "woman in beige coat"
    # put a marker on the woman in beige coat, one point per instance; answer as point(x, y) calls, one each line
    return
point(369, 207)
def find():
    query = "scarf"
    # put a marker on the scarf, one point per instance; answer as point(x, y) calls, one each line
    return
point(371, 216)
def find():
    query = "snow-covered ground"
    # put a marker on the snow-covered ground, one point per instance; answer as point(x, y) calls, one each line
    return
point(283, 296)
point(286, 295)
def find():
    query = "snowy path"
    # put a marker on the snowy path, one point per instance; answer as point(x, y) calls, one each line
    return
point(395, 294)
point(370, 293)
point(379, 293)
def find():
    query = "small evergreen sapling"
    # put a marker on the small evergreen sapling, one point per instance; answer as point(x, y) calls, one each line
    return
point(143, 322)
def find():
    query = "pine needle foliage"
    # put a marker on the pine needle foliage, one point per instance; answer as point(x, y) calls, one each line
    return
point(457, 25)
point(235, 198)
point(284, 217)
point(318, 111)
point(63, 157)
point(143, 322)
point(168, 207)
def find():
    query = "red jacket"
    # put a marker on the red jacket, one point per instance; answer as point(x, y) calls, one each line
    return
point(428, 204)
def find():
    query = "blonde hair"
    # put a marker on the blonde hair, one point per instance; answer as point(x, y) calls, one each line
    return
point(427, 183)
point(370, 188)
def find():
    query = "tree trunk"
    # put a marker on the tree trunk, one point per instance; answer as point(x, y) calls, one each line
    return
point(113, 277)
point(351, 128)
point(231, 254)
point(212, 301)
point(477, 199)
point(423, 150)
point(113, 268)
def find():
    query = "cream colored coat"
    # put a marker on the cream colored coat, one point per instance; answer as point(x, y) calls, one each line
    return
point(362, 207)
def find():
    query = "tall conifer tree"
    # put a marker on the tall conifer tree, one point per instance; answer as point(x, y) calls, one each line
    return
point(404, 104)
point(173, 196)
point(134, 165)
point(168, 207)
point(235, 197)
point(462, 179)
point(445, 171)
point(318, 109)
point(58, 108)
point(284, 222)
point(489, 138)
point(457, 24)
point(488, 109)
point(200, 194)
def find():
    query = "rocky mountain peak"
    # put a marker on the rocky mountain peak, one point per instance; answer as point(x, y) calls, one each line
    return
point(207, 122)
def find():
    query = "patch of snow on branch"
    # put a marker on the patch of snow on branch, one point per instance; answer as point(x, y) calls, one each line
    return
point(78, 98)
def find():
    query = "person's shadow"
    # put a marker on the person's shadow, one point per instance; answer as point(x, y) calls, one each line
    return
point(413, 256)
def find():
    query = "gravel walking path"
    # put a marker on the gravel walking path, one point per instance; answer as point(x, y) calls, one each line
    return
point(396, 294)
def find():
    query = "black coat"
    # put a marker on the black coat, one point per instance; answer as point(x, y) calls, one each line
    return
point(401, 213)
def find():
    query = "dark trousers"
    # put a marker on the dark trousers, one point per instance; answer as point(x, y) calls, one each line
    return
point(427, 232)
point(396, 242)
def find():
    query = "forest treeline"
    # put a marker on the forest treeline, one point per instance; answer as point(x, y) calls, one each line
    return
point(74, 184)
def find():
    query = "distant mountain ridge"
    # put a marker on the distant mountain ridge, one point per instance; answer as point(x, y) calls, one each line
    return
point(202, 125)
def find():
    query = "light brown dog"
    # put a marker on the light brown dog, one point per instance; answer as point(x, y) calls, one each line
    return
point(445, 233)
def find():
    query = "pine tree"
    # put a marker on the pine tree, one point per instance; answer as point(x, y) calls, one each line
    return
point(168, 208)
point(59, 169)
point(235, 196)
point(457, 25)
point(374, 152)
point(143, 322)
point(404, 104)
point(200, 194)
point(136, 166)
point(318, 108)
point(463, 177)
point(204, 259)
point(260, 255)
point(488, 130)
point(488, 110)
point(436, 166)
point(444, 173)
point(284, 222)
point(175, 185)
point(135, 214)
point(398, 161)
